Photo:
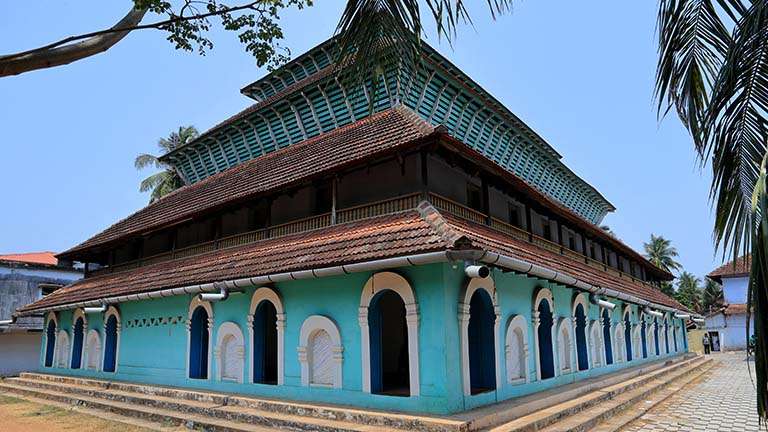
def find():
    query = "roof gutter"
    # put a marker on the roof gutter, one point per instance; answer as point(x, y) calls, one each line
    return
point(219, 290)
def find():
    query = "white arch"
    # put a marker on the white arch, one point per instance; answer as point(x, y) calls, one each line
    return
point(270, 295)
point(516, 353)
point(112, 311)
point(581, 299)
point(565, 345)
point(544, 294)
point(230, 353)
point(465, 298)
point(193, 305)
point(596, 347)
point(63, 347)
point(92, 358)
point(333, 354)
point(637, 342)
point(377, 283)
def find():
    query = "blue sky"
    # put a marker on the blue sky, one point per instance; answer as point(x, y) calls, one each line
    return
point(580, 73)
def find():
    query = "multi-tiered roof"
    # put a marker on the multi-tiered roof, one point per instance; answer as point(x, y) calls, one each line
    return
point(307, 131)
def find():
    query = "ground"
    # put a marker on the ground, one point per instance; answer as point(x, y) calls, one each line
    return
point(723, 400)
point(22, 416)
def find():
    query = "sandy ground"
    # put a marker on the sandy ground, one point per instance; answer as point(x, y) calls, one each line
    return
point(17, 415)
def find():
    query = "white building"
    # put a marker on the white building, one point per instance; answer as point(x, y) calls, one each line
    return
point(25, 278)
point(727, 326)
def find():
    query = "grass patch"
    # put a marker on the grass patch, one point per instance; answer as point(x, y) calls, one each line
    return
point(7, 400)
point(45, 410)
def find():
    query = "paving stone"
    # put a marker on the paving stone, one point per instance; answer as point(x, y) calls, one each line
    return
point(722, 401)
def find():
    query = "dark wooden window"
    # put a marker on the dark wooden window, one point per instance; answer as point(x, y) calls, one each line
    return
point(546, 229)
point(474, 197)
point(515, 218)
point(323, 198)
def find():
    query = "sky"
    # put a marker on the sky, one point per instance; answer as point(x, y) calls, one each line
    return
point(579, 73)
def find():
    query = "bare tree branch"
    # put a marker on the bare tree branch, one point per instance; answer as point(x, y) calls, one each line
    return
point(57, 55)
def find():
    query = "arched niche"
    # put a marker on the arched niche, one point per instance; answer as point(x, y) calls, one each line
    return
point(565, 344)
point(596, 349)
point(374, 289)
point(321, 352)
point(230, 353)
point(516, 352)
point(62, 349)
point(199, 330)
point(471, 288)
point(112, 328)
point(619, 343)
point(643, 329)
point(93, 349)
point(608, 337)
point(544, 327)
point(266, 310)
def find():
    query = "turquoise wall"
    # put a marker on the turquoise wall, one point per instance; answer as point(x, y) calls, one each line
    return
point(153, 339)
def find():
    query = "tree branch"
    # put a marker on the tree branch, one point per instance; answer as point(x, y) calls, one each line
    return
point(57, 55)
point(64, 51)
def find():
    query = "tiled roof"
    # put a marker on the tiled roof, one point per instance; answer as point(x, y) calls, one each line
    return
point(376, 238)
point(730, 309)
point(734, 268)
point(401, 234)
point(487, 238)
point(358, 141)
point(39, 258)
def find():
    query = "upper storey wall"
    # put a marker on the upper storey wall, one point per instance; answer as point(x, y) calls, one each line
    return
point(304, 99)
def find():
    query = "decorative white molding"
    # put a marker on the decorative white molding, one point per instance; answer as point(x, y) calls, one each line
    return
point(474, 284)
point(268, 294)
point(377, 283)
point(230, 353)
point(516, 353)
point(321, 352)
point(193, 305)
point(112, 311)
point(63, 349)
point(93, 350)
point(544, 294)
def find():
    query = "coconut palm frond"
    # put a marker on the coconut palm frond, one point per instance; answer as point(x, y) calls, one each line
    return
point(693, 41)
point(661, 253)
point(144, 160)
point(736, 119)
point(153, 181)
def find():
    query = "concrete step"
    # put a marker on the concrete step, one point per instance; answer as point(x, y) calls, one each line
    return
point(147, 414)
point(632, 413)
point(500, 413)
point(584, 412)
point(271, 413)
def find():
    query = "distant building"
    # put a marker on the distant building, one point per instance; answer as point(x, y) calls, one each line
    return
point(727, 325)
point(25, 278)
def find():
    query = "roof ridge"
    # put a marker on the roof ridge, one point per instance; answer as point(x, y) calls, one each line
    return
point(435, 219)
